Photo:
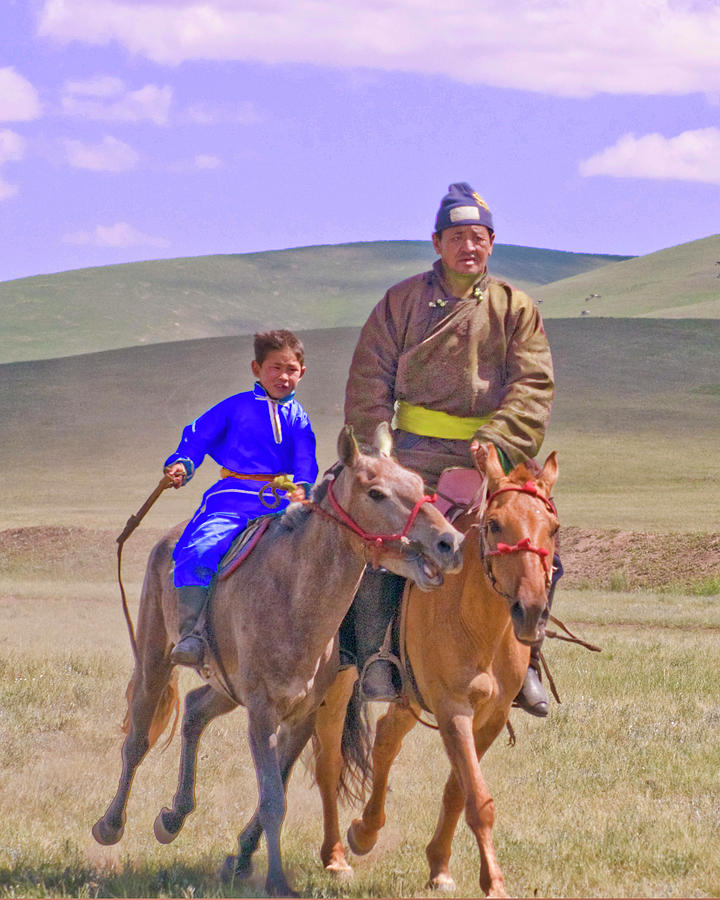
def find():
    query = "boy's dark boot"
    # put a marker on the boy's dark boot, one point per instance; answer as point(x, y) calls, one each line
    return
point(190, 649)
point(375, 602)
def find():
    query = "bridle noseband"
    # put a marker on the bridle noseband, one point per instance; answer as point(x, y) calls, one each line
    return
point(375, 542)
point(523, 545)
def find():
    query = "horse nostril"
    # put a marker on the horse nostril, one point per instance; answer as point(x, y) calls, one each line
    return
point(446, 545)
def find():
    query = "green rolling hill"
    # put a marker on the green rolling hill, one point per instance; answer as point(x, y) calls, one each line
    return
point(678, 283)
point(109, 307)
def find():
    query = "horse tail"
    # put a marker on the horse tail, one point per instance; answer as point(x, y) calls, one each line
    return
point(168, 701)
point(356, 749)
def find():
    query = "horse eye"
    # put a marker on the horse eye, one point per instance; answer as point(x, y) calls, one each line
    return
point(375, 494)
point(494, 526)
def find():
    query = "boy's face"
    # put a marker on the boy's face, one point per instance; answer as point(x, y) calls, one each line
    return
point(279, 372)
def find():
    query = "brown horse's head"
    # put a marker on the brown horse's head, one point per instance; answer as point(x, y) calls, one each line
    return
point(387, 507)
point(518, 538)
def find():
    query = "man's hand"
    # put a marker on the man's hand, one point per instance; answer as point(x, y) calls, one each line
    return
point(178, 473)
point(298, 495)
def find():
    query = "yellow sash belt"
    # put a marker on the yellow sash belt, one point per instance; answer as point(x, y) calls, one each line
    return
point(434, 423)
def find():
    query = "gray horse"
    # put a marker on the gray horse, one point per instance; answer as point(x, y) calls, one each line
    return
point(273, 626)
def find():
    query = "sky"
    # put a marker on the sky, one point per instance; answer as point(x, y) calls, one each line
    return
point(155, 129)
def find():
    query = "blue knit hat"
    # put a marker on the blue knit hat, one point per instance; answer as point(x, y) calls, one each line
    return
point(463, 206)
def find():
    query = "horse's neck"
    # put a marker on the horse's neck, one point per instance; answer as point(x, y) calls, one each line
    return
point(484, 615)
point(323, 565)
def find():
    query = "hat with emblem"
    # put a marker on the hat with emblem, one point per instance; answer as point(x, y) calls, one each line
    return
point(463, 206)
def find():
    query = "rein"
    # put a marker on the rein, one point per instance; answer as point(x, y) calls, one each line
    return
point(375, 542)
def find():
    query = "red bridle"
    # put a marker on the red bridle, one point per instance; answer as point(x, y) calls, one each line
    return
point(377, 541)
point(523, 545)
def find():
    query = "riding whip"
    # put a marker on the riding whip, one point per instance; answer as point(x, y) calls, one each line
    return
point(130, 526)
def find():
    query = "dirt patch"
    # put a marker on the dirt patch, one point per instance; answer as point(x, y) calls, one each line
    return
point(591, 559)
point(636, 559)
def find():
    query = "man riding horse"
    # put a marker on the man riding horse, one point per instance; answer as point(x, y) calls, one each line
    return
point(452, 357)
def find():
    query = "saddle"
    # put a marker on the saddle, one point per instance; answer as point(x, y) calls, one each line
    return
point(459, 490)
point(243, 545)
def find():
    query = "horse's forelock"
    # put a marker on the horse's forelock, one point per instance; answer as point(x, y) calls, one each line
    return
point(526, 471)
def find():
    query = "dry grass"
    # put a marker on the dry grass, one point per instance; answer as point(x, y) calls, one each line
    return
point(617, 794)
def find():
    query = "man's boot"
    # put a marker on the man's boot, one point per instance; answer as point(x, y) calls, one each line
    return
point(375, 603)
point(190, 649)
point(532, 697)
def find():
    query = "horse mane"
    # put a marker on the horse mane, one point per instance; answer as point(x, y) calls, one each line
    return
point(295, 515)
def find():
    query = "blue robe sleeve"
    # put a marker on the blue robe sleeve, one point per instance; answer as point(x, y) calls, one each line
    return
point(201, 437)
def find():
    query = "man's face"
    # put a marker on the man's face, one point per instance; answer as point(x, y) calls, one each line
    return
point(279, 372)
point(464, 249)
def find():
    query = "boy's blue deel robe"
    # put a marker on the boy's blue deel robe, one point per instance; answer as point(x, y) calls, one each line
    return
point(249, 433)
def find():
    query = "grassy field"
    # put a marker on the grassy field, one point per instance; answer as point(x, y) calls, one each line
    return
point(677, 283)
point(617, 794)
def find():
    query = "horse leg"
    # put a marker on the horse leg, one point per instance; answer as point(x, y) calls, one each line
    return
point(438, 850)
point(271, 805)
point(328, 766)
point(391, 729)
point(202, 705)
point(148, 684)
point(464, 750)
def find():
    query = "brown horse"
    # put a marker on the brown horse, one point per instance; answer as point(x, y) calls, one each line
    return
point(272, 629)
point(468, 645)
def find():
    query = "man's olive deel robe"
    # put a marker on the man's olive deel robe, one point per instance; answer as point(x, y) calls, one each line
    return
point(486, 356)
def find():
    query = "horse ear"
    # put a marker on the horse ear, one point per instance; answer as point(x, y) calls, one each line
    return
point(382, 440)
point(547, 478)
point(348, 450)
point(487, 462)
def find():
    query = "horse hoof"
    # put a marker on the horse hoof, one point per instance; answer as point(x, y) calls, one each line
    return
point(234, 868)
point(106, 835)
point(341, 870)
point(164, 832)
point(442, 883)
point(353, 839)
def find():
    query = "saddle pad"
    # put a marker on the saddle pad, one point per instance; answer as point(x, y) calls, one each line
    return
point(243, 545)
point(457, 489)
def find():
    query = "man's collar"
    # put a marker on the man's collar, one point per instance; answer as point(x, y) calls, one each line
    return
point(479, 285)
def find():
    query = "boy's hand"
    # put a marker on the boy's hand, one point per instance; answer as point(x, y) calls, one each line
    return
point(298, 495)
point(178, 473)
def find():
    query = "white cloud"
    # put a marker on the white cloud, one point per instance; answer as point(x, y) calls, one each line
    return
point(119, 235)
point(560, 47)
point(690, 156)
point(19, 101)
point(106, 99)
point(110, 155)
point(98, 86)
point(201, 162)
point(12, 149)
point(207, 161)
point(243, 113)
